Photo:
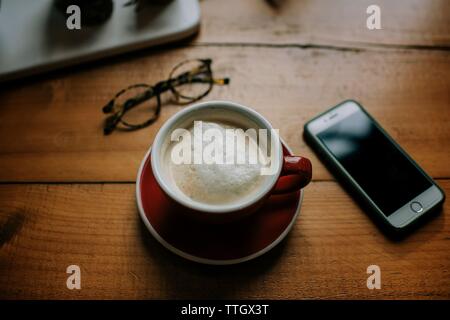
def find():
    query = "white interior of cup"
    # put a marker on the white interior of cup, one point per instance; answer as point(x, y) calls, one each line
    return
point(221, 111)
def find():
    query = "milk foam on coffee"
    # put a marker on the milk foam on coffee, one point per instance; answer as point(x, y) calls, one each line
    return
point(217, 183)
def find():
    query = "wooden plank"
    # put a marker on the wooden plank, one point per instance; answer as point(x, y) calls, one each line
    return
point(341, 22)
point(45, 228)
point(52, 128)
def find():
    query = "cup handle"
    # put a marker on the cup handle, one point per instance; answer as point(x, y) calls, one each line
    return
point(300, 171)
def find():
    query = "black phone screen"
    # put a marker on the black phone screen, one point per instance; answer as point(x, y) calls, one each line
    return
point(380, 169)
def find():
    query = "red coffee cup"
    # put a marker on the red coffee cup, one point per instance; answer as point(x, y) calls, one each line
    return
point(298, 168)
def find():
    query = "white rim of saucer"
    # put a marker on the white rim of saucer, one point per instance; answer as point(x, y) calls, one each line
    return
point(205, 260)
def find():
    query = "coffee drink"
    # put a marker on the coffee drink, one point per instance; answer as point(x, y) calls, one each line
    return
point(222, 162)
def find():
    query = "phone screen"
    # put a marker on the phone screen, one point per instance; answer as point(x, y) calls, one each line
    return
point(380, 169)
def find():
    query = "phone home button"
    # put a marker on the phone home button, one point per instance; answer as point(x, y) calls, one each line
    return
point(416, 206)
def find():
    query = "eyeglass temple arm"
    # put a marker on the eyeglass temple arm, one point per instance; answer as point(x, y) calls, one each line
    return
point(222, 81)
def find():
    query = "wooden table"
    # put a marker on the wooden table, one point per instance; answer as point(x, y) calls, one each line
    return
point(67, 191)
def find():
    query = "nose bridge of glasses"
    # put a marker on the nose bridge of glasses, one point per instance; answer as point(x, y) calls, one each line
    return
point(161, 87)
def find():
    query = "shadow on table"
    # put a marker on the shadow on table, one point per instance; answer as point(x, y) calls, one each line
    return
point(184, 279)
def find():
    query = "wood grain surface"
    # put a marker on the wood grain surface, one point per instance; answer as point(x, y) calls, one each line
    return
point(45, 228)
point(57, 123)
point(67, 192)
point(411, 23)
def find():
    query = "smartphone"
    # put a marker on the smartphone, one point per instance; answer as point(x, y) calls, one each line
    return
point(380, 172)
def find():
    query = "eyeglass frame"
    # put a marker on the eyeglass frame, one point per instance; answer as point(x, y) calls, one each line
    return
point(155, 91)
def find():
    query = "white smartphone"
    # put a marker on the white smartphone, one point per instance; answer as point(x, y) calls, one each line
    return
point(373, 164)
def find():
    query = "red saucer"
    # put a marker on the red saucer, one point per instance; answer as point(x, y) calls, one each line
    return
point(222, 244)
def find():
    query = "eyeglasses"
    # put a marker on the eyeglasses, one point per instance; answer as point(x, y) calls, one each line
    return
point(189, 81)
